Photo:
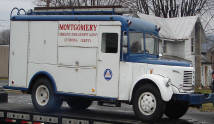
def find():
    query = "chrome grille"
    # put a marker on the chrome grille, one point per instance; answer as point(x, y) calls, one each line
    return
point(187, 82)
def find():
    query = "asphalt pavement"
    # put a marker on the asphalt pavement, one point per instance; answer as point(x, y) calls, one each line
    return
point(193, 116)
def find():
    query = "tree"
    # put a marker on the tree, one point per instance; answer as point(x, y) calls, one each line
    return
point(171, 8)
point(160, 8)
point(5, 37)
point(165, 8)
point(192, 7)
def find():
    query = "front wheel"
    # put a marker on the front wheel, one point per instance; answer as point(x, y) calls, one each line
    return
point(147, 103)
point(176, 109)
point(43, 97)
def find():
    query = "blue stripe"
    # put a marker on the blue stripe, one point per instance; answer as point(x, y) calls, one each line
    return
point(15, 88)
point(88, 96)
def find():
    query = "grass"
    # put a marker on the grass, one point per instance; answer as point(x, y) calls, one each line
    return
point(208, 107)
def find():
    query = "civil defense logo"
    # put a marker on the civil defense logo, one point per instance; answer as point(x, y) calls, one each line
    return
point(108, 74)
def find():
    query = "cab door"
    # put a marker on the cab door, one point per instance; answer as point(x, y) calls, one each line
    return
point(108, 61)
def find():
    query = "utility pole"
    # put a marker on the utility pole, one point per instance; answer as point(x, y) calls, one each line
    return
point(198, 55)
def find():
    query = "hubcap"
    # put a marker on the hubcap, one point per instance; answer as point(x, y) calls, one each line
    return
point(42, 95)
point(147, 103)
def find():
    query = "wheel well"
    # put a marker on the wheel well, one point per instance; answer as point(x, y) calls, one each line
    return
point(140, 84)
point(33, 80)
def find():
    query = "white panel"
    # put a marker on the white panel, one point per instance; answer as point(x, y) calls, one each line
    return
point(78, 33)
point(73, 80)
point(77, 56)
point(139, 69)
point(43, 42)
point(125, 81)
point(34, 68)
point(76, 80)
point(18, 53)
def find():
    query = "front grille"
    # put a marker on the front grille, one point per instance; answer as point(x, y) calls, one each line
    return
point(187, 82)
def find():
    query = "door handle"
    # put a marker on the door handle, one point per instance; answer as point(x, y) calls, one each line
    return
point(99, 60)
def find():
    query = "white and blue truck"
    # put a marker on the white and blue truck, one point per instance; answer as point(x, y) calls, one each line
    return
point(82, 55)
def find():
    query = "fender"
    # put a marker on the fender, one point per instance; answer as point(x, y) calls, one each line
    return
point(160, 82)
point(44, 73)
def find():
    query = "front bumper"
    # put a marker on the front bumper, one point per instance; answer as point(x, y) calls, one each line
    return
point(194, 99)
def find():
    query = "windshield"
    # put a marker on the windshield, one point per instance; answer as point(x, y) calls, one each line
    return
point(136, 42)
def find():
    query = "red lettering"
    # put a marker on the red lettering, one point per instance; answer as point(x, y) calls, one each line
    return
point(70, 40)
point(87, 27)
point(93, 34)
point(82, 27)
point(91, 27)
point(67, 26)
point(78, 27)
point(85, 40)
point(61, 27)
point(95, 27)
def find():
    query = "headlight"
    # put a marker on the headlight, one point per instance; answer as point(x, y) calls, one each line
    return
point(167, 81)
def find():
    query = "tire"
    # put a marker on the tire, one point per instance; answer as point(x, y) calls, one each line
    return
point(43, 97)
point(78, 103)
point(147, 103)
point(176, 109)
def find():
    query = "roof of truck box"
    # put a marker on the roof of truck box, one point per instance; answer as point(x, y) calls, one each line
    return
point(128, 23)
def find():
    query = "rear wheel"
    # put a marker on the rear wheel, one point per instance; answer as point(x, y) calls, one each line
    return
point(147, 103)
point(176, 109)
point(43, 97)
point(78, 103)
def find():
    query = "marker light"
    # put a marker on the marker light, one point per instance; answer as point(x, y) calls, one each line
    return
point(151, 71)
point(10, 120)
point(93, 90)
point(26, 122)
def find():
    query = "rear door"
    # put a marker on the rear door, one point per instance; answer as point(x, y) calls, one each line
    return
point(108, 61)
point(18, 53)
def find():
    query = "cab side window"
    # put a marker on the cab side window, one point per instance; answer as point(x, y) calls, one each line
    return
point(109, 43)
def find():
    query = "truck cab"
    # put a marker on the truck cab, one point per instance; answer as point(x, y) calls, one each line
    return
point(80, 58)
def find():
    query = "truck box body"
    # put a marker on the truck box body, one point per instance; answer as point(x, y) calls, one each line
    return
point(68, 50)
